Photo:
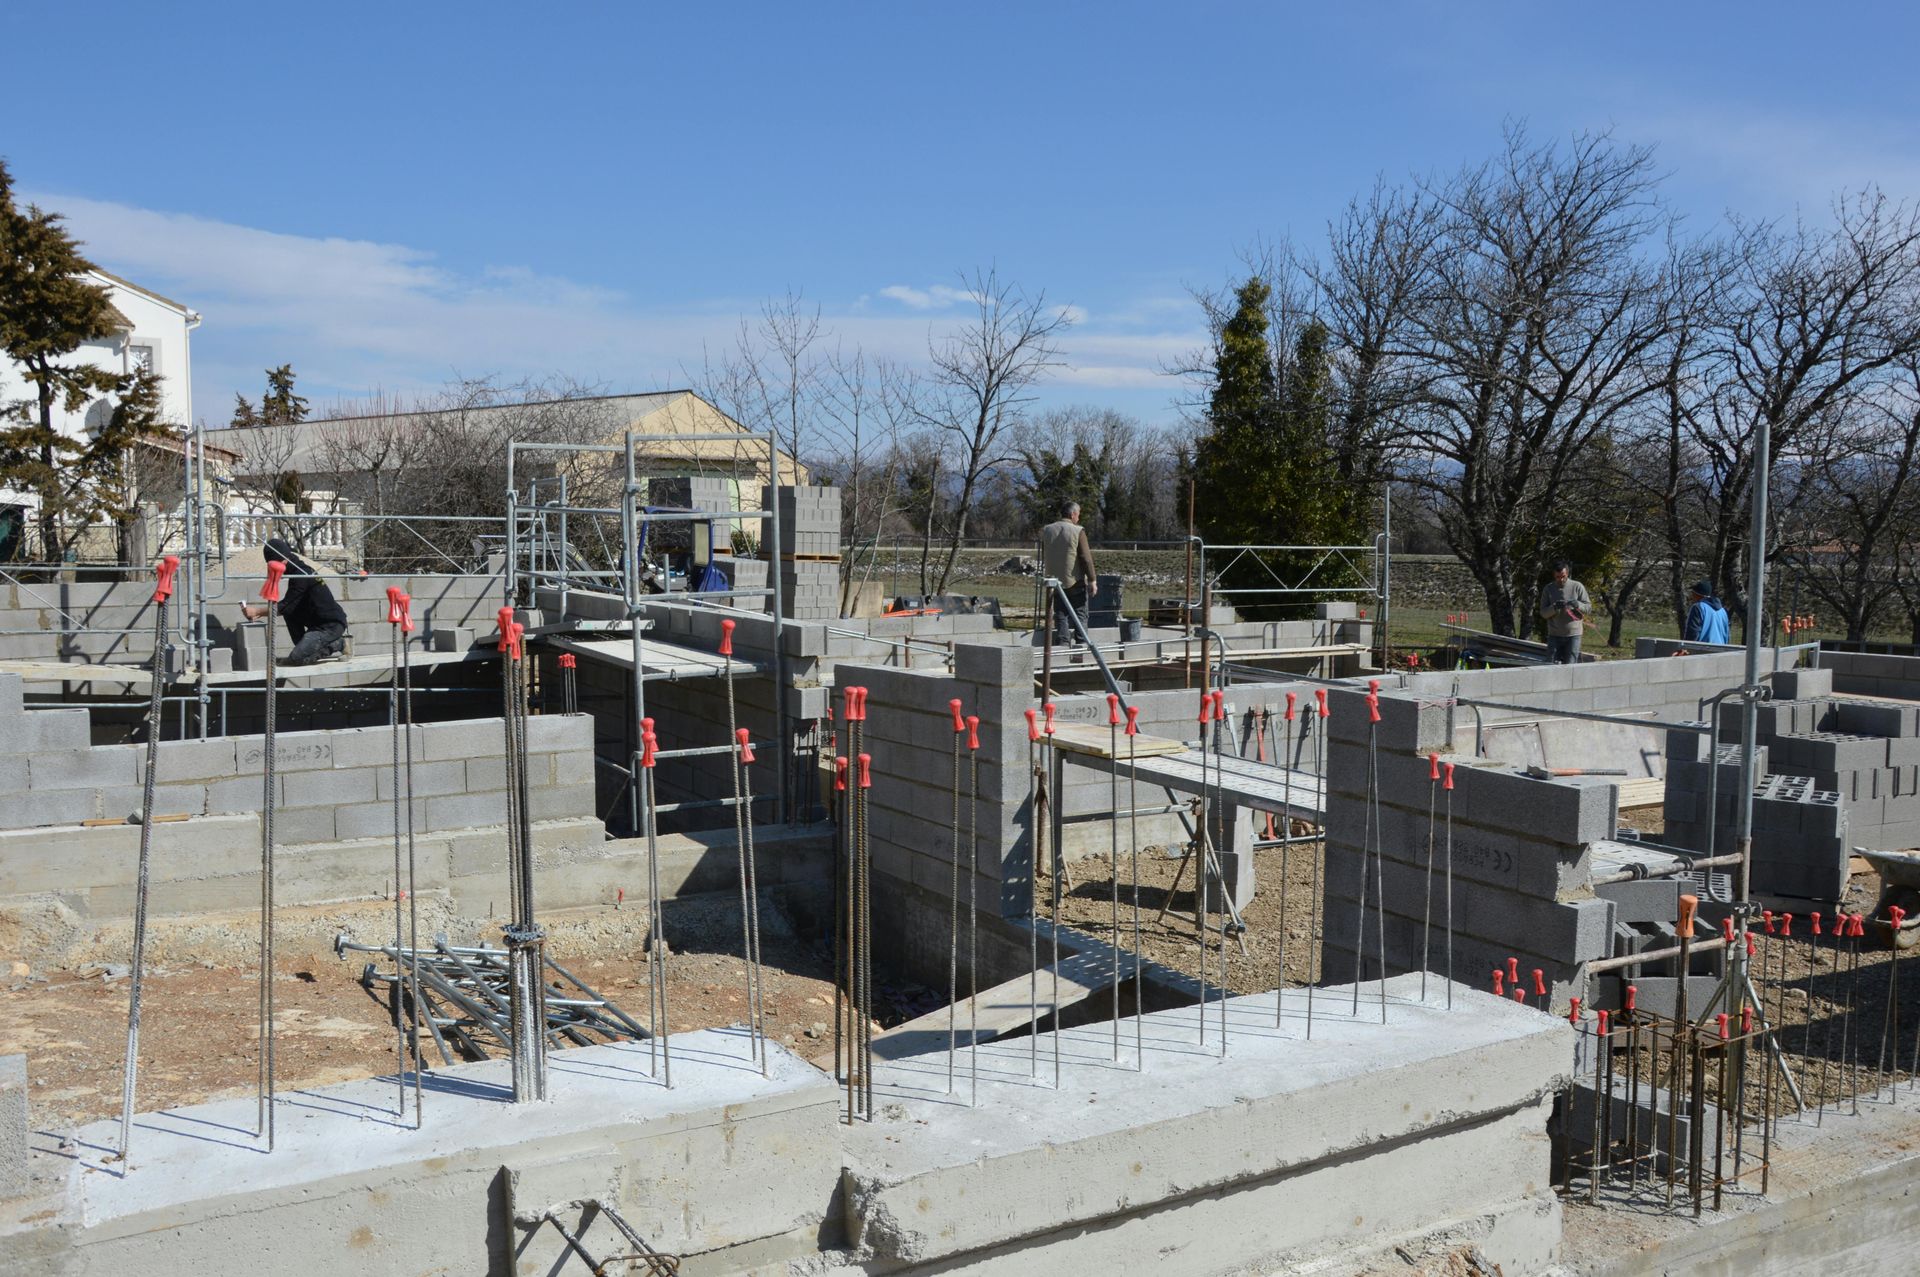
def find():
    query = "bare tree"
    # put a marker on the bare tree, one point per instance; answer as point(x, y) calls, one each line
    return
point(867, 403)
point(1808, 319)
point(1539, 327)
point(981, 385)
point(777, 376)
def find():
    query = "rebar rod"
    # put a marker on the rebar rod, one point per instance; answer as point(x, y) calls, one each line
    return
point(137, 971)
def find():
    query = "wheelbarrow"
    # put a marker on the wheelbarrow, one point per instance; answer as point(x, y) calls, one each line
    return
point(1899, 885)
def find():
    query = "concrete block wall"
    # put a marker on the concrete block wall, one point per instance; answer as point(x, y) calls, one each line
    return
point(329, 784)
point(809, 518)
point(75, 621)
point(1667, 688)
point(1521, 853)
point(1872, 674)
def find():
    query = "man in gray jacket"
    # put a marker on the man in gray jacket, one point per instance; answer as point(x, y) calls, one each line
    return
point(1067, 558)
point(1564, 607)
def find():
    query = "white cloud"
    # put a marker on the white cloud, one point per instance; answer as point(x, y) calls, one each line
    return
point(1803, 160)
point(355, 316)
point(934, 297)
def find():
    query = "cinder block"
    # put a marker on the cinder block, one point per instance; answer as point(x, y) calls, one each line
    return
point(49, 729)
point(293, 826)
point(196, 760)
point(375, 820)
point(292, 751)
point(12, 698)
point(457, 638)
point(106, 766)
point(1799, 685)
point(1649, 900)
point(327, 788)
point(429, 779)
point(466, 811)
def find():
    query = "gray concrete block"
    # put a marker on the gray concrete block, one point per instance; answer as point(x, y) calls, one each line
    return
point(375, 820)
point(1650, 900)
point(12, 697)
point(994, 665)
point(327, 788)
point(24, 811)
point(466, 811)
point(50, 729)
point(429, 779)
point(464, 739)
point(292, 751)
point(108, 765)
point(295, 825)
point(560, 731)
point(457, 638)
point(196, 760)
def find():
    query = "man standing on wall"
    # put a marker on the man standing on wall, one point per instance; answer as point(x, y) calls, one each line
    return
point(1066, 556)
point(1564, 606)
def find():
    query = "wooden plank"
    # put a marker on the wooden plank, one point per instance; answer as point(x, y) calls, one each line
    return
point(1089, 738)
point(1644, 791)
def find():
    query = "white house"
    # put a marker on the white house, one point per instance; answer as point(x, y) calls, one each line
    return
point(151, 332)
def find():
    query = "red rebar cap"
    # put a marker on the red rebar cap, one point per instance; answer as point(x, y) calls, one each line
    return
point(1113, 709)
point(270, 591)
point(393, 604)
point(840, 774)
point(1899, 916)
point(1633, 991)
point(1051, 711)
point(959, 719)
point(726, 637)
point(1513, 970)
point(1519, 994)
point(1320, 695)
point(1446, 781)
point(1816, 925)
point(1291, 698)
point(1206, 707)
point(746, 745)
point(1722, 1018)
point(866, 771)
point(1133, 720)
point(856, 704)
point(1433, 763)
point(648, 744)
point(1573, 1016)
point(567, 661)
point(1033, 724)
point(1499, 983)
point(163, 574)
point(1539, 982)
point(515, 646)
point(1603, 1024)
point(973, 731)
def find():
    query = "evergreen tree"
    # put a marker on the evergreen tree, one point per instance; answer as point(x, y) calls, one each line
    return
point(48, 310)
point(1263, 471)
point(279, 406)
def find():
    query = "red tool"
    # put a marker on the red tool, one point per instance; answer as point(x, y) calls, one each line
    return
point(866, 771)
point(746, 745)
point(726, 637)
point(271, 590)
point(973, 731)
point(163, 575)
point(1113, 710)
point(1033, 725)
point(959, 719)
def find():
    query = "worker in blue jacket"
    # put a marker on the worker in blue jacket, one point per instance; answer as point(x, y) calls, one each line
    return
point(1706, 619)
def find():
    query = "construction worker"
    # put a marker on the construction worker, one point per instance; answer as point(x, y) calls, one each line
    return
point(1564, 606)
point(314, 617)
point(1066, 556)
point(1706, 618)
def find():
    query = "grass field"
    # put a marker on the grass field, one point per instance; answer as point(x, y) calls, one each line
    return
point(1151, 573)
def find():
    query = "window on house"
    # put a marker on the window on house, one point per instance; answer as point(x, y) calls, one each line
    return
point(141, 358)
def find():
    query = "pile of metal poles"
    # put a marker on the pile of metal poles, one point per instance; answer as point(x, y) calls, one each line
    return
point(464, 996)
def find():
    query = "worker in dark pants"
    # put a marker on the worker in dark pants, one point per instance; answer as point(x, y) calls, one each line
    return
point(314, 617)
point(1066, 556)
point(1564, 606)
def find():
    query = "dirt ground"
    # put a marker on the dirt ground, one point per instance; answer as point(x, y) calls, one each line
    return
point(199, 1021)
point(1814, 1006)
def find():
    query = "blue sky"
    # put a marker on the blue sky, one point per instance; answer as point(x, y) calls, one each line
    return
point(387, 196)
